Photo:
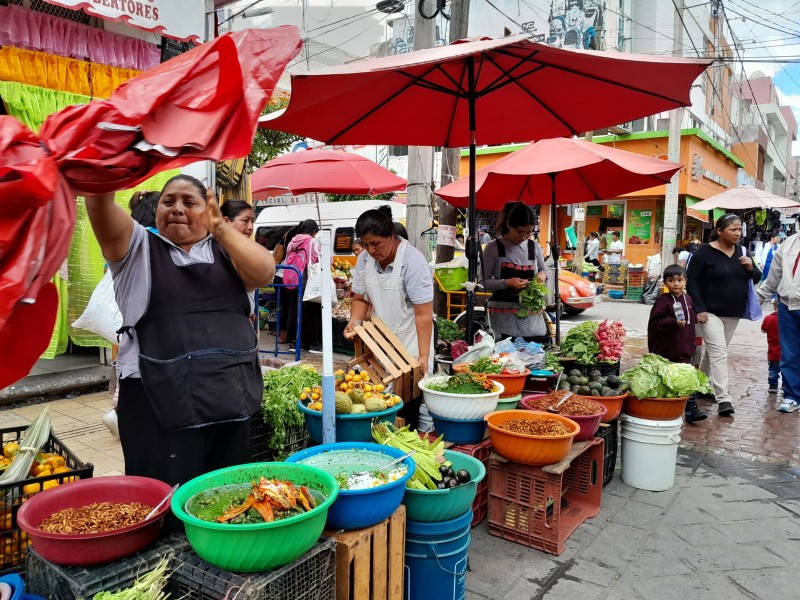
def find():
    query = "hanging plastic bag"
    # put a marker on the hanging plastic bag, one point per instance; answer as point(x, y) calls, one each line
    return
point(483, 348)
point(313, 289)
point(102, 314)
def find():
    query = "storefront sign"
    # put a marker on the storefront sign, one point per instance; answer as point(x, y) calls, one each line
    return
point(288, 199)
point(182, 20)
point(716, 178)
point(639, 226)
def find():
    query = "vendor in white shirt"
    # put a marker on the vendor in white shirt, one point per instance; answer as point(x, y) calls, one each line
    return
point(615, 250)
point(394, 279)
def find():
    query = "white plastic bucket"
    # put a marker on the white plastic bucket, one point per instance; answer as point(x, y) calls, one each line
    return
point(649, 452)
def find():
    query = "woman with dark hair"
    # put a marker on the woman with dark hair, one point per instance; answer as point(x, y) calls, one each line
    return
point(190, 377)
point(510, 261)
point(143, 209)
point(718, 278)
point(393, 278)
point(301, 252)
point(239, 214)
point(592, 254)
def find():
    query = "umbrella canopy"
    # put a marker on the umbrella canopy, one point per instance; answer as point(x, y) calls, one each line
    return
point(559, 171)
point(203, 104)
point(744, 197)
point(485, 91)
point(331, 171)
point(584, 171)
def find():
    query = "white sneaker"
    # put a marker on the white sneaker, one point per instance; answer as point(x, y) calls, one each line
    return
point(788, 406)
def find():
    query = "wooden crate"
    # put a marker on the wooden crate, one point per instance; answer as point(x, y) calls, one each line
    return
point(369, 562)
point(382, 355)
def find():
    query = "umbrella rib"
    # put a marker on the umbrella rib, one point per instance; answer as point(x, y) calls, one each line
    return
point(505, 76)
point(435, 87)
point(588, 185)
point(459, 84)
point(380, 105)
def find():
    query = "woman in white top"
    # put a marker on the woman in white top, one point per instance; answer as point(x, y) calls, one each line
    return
point(593, 249)
point(394, 279)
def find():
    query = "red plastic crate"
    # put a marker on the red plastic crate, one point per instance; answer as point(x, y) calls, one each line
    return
point(525, 502)
point(483, 452)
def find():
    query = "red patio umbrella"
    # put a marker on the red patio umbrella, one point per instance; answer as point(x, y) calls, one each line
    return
point(560, 171)
point(486, 91)
point(331, 171)
point(203, 104)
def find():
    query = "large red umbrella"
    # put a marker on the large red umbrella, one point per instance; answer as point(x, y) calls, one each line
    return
point(486, 91)
point(203, 104)
point(331, 171)
point(560, 171)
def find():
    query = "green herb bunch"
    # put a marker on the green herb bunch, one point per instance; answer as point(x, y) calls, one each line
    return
point(485, 365)
point(282, 388)
point(532, 298)
point(448, 331)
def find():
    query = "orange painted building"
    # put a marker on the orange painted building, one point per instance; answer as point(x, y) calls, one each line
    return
point(708, 170)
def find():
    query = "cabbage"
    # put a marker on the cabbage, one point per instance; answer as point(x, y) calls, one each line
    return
point(656, 377)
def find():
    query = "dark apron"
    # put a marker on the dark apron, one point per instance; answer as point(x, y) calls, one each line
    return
point(510, 269)
point(198, 354)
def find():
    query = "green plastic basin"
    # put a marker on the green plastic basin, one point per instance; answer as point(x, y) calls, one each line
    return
point(256, 546)
point(508, 403)
point(442, 505)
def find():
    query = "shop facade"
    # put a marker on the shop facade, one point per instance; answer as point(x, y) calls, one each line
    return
point(639, 217)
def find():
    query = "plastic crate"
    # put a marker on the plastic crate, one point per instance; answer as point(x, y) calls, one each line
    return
point(541, 508)
point(541, 384)
point(56, 582)
point(635, 294)
point(312, 576)
point(636, 279)
point(482, 452)
point(450, 279)
point(610, 437)
point(14, 541)
point(296, 439)
point(605, 369)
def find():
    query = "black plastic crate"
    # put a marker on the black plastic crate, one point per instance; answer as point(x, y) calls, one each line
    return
point(14, 541)
point(310, 577)
point(56, 582)
point(610, 437)
point(296, 439)
point(605, 369)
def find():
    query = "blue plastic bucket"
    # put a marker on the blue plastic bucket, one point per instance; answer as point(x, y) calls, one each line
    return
point(436, 559)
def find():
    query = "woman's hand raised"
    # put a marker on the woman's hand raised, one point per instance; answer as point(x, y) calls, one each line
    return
point(213, 217)
point(747, 263)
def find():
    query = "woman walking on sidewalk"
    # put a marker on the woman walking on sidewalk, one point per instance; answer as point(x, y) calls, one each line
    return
point(784, 279)
point(718, 275)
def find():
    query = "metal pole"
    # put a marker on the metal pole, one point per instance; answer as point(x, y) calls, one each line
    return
point(555, 251)
point(669, 233)
point(328, 382)
point(472, 241)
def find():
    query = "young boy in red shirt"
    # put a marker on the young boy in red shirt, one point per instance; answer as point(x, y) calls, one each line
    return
point(770, 326)
point(671, 328)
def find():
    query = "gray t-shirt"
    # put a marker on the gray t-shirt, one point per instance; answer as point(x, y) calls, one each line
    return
point(517, 253)
point(132, 284)
point(415, 273)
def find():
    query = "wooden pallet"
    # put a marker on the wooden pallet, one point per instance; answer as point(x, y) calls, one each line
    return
point(369, 562)
point(382, 355)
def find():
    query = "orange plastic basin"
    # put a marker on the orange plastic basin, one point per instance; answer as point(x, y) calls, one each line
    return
point(655, 409)
point(530, 449)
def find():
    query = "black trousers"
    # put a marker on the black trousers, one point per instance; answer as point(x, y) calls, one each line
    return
point(174, 456)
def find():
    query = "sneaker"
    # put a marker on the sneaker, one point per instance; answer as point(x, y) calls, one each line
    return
point(707, 397)
point(316, 349)
point(725, 409)
point(788, 406)
point(694, 414)
point(772, 390)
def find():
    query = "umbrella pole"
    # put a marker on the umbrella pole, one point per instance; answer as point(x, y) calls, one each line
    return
point(555, 252)
point(471, 242)
point(328, 382)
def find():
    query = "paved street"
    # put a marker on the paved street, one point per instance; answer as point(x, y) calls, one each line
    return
point(729, 528)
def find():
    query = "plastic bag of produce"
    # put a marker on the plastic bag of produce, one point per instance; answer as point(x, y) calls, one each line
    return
point(102, 314)
point(483, 348)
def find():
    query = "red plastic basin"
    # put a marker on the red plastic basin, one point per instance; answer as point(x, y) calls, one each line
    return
point(93, 548)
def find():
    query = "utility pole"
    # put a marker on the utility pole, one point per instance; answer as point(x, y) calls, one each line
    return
point(451, 157)
point(420, 158)
point(673, 153)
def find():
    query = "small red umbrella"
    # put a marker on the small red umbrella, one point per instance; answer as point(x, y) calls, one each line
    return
point(560, 171)
point(331, 171)
point(203, 104)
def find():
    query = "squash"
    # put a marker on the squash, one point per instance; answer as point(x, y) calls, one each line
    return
point(343, 404)
point(374, 404)
point(358, 409)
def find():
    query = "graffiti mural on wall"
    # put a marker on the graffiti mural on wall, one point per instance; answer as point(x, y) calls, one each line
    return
point(576, 23)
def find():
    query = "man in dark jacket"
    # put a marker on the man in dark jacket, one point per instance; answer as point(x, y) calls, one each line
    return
point(671, 328)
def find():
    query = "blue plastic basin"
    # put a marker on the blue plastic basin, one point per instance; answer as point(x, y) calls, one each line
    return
point(349, 428)
point(459, 431)
point(357, 509)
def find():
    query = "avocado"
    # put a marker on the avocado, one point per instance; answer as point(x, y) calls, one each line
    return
point(575, 373)
point(595, 374)
point(564, 385)
point(606, 389)
point(585, 390)
point(613, 381)
point(609, 392)
point(574, 389)
point(584, 381)
point(603, 380)
point(594, 385)
point(595, 393)
point(624, 387)
point(574, 380)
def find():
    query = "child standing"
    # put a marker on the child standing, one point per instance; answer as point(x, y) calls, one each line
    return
point(671, 328)
point(770, 326)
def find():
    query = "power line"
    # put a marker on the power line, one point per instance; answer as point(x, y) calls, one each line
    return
point(763, 23)
point(771, 12)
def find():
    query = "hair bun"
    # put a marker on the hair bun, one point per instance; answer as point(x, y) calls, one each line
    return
point(386, 210)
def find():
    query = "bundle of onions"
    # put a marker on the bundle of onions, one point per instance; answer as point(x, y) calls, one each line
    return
point(30, 444)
